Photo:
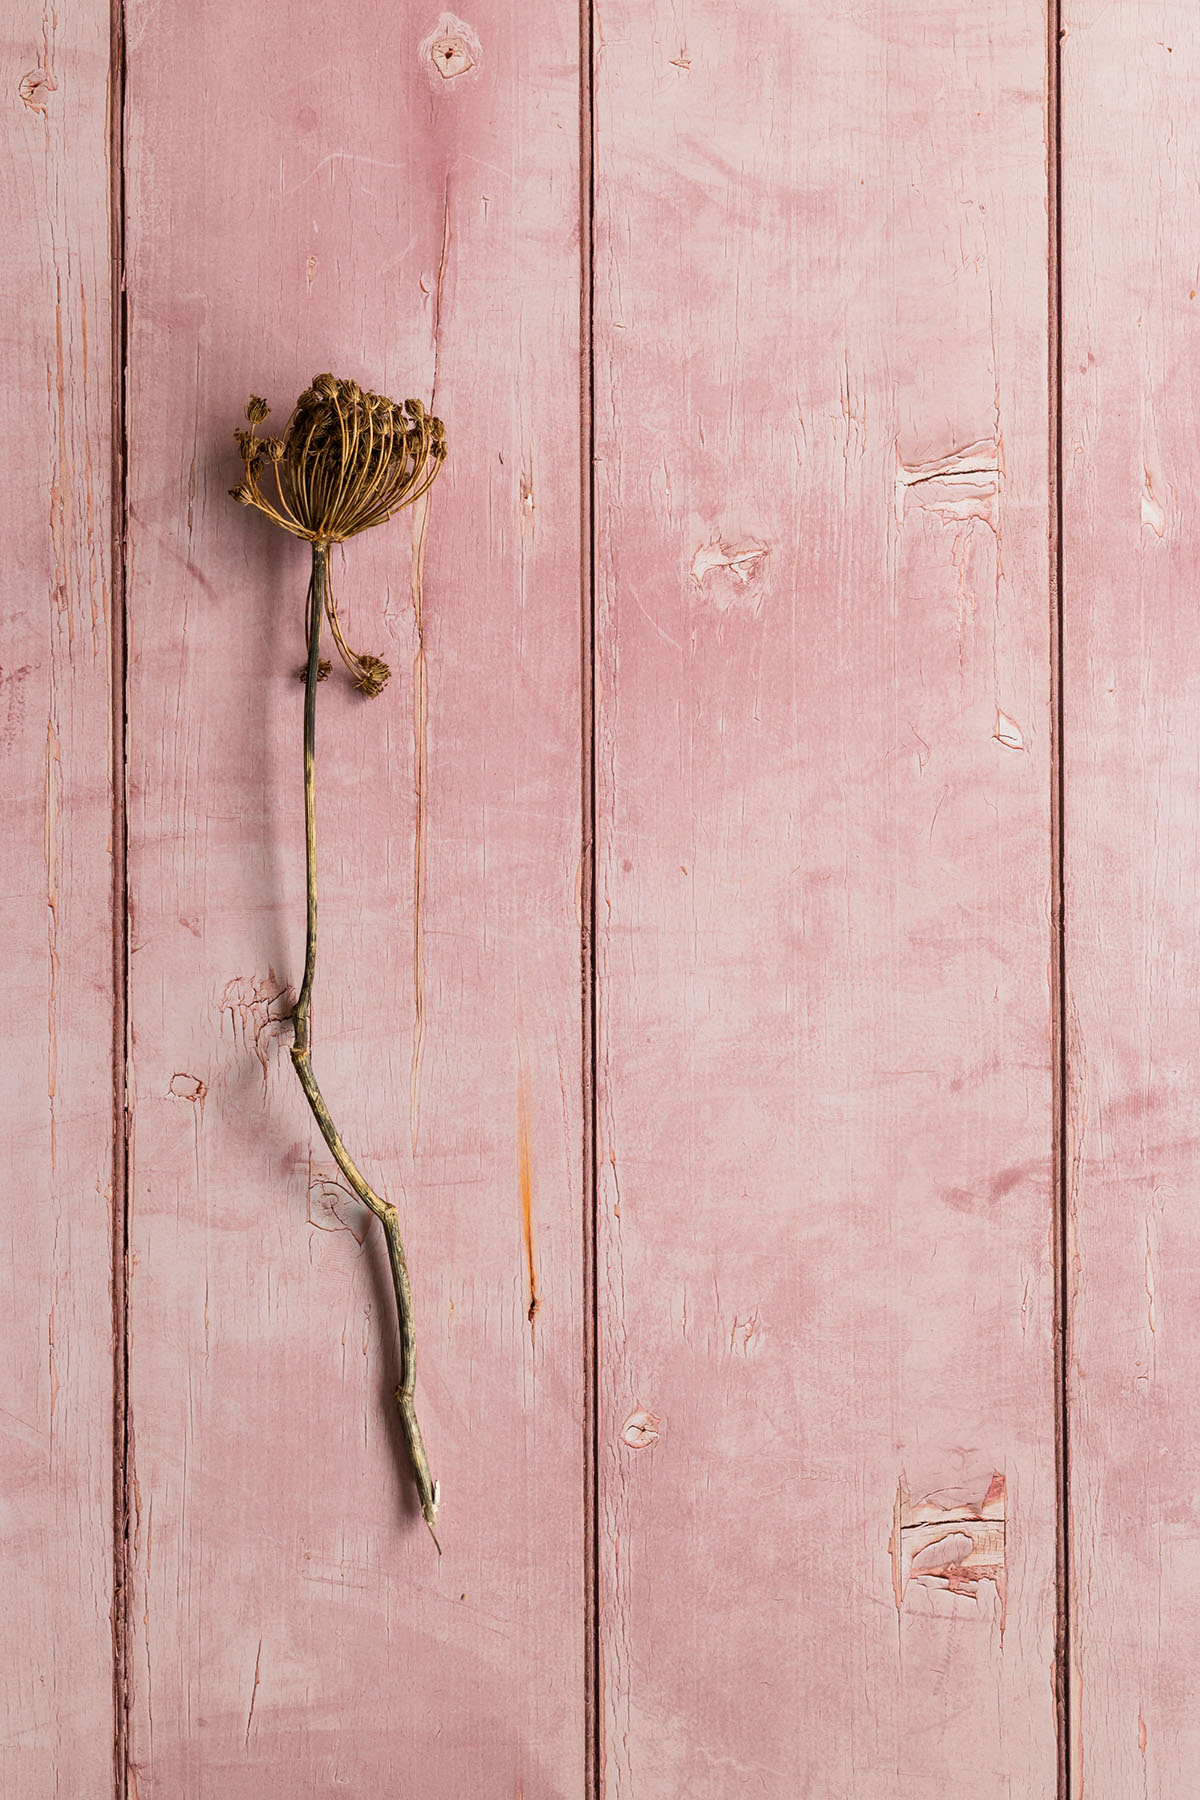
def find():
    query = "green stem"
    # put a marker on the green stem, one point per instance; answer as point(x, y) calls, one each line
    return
point(301, 1057)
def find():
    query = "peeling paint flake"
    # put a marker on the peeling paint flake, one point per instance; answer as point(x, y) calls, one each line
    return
point(1008, 732)
point(952, 1548)
point(736, 568)
point(963, 485)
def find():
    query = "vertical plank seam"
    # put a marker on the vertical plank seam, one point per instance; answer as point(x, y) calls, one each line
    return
point(1063, 1698)
point(120, 908)
point(589, 896)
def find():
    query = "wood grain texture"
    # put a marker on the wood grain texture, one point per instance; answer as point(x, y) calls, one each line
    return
point(824, 865)
point(1131, 357)
point(332, 195)
point(56, 1019)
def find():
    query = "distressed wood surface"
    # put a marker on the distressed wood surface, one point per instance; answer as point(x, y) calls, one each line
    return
point(346, 194)
point(1131, 359)
point(56, 1020)
point(824, 1097)
point(824, 865)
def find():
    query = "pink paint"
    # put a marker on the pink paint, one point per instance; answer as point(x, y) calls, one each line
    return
point(825, 1112)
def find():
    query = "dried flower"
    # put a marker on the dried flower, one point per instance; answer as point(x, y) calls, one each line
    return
point(346, 461)
point(372, 676)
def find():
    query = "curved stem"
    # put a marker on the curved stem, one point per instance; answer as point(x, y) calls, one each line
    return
point(384, 1211)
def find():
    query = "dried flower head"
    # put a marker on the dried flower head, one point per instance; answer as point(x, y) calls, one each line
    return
point(347, 460)
point(372, 676)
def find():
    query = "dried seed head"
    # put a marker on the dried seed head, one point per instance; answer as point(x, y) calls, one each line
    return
point(257, 410)
point(373, 677)
point(347, 460)
point(243, 494)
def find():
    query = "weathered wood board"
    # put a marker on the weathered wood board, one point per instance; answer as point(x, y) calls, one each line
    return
point(56, 912)
point(1131, 691)
point(825, 1097)
point(350, 194)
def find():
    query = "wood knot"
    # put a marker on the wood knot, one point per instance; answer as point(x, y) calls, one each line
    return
point(34, 87)
point(451, 49)
point(640, 1430)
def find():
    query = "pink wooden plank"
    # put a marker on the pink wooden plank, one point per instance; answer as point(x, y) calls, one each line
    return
point(1131, 375)
point(335, 194)
point(825, 1095)
point(56, 1020)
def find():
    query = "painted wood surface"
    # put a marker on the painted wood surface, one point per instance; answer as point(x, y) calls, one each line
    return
point(1131, 375)
point(56, 1018)
point(823, 907)
point(825, 1067)
point(400, 205)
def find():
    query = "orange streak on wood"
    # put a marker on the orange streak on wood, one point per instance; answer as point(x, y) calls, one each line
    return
point(525, 1173)
point(53, 790)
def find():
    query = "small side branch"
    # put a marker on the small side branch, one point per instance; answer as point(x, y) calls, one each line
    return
point(386, 1213)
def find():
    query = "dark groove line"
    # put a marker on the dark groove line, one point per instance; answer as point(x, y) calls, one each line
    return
point(1063, 1698)
point(589, 898)
point(121, 1607)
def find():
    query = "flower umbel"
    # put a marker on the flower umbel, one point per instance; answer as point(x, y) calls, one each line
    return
point(347, 460)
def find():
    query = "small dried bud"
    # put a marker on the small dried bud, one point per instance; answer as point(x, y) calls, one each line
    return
point(325, 387)
point(274, 448)
point(351, 392)
point(373, 676)
point(323, 668)
point(241, 493)
point(257, 410)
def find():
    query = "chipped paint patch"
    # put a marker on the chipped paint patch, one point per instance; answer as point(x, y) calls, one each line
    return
point(1008, 732)
point(949, 1548)
point(187, 1087)
point(332, 1207)
point(34, 89)
point(259, 1007)
point(740, 559)
point(640, 1430)
point(1154, 513)
point(964, 485)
